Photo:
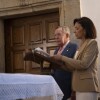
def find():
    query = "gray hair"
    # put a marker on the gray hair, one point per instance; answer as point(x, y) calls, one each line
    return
point(65, 29)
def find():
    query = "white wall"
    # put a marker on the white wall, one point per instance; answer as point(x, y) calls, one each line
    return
point(91, 9)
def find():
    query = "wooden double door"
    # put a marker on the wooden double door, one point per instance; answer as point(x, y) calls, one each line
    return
point(28, 33)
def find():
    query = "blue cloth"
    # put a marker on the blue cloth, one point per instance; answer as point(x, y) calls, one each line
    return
point(62, 77)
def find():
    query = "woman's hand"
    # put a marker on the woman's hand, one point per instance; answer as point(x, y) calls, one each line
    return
point(56, 57)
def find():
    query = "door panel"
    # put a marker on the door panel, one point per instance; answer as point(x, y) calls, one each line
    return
point(17, 35)
point(28, 33)
point(17, 61)
point(35, 33)
point(50, 25)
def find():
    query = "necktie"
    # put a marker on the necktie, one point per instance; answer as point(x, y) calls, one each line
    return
point(60, 50)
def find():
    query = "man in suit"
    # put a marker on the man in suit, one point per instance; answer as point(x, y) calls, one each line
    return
point(66, 48)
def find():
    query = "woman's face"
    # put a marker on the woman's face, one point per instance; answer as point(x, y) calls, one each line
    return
point(79, 31)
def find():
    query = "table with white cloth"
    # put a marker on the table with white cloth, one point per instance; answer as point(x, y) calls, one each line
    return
point(25, 86)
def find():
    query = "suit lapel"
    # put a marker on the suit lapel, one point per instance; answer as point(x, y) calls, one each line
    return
point(82, 48)
point(56, 51)
point(67, 48)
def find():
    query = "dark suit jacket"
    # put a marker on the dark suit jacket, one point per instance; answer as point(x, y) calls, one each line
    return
point(62, 77)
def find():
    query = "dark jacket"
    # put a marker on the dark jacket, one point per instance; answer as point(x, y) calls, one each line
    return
point(62, 77)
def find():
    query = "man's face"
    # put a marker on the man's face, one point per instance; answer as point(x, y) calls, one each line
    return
point(59, 36)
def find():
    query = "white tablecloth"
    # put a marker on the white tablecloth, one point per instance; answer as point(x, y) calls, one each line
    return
point(23, 86)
